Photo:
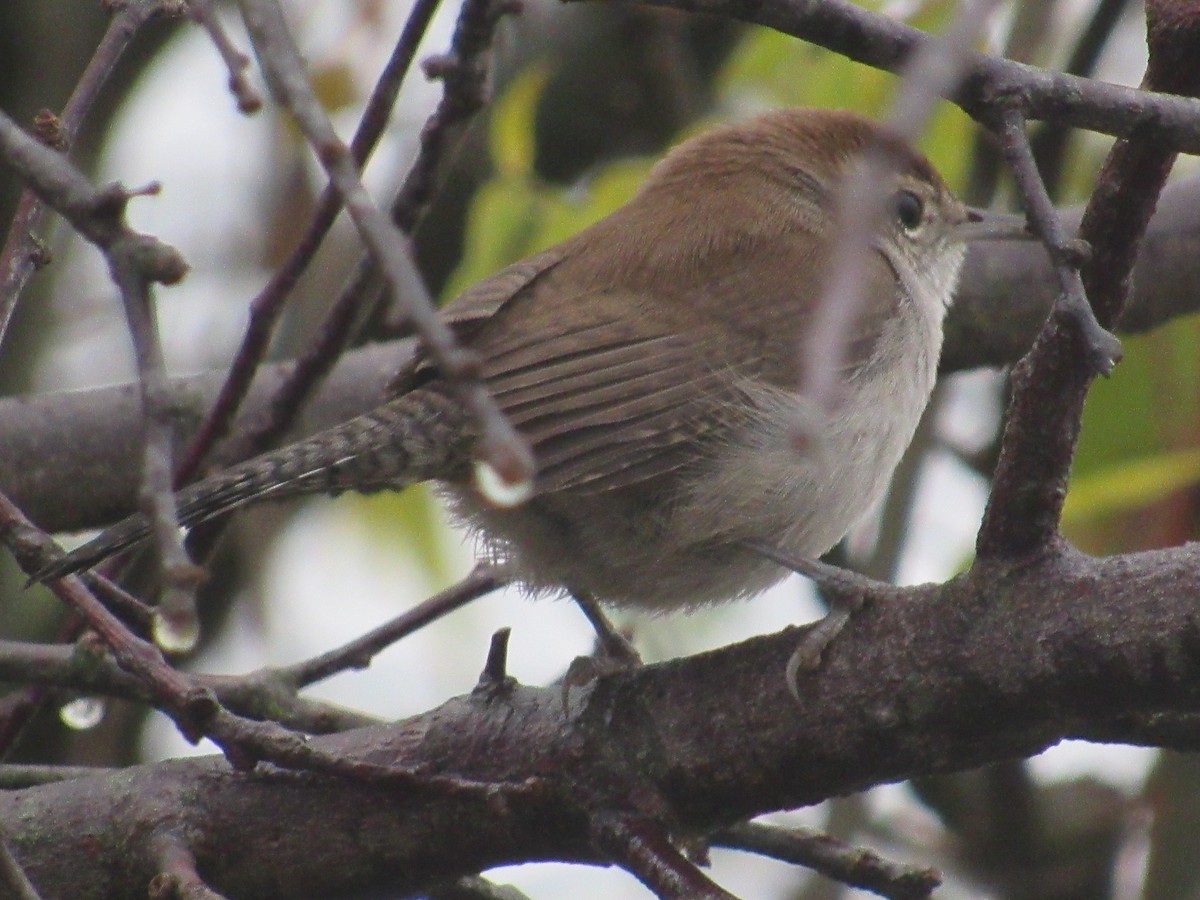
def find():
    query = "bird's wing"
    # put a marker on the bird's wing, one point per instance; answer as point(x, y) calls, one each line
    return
point(618, 390)
point(603, 401)
point(471, 309)
point(613, 388)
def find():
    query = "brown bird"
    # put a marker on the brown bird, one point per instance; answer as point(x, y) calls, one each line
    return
point(651, 363)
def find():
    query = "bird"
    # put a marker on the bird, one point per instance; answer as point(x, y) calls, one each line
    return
point(651, 363)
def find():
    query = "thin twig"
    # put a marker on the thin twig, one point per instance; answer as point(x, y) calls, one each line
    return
point(1050, 142)
point(193, 707)
point(17, 711)
point(494, 678)
point(643, 848)
point(463, 72)
point(934, 70)
point(357, 654)
point(308, 370)
point(1027, 40)
point(23, 252)
point(1029, 486)
point(853, 866)
point(177, 875)
point(500, 448)
point(246, 743)
point(269, 303)
point(132, 611)
point(877, 40)
point(266, 693)
point(502, 451)
point(188, 704)
point(138, 671)
point(236, 62)
point(176, 622)
point(1103, 349)
point(136, 261)
point(14, 881)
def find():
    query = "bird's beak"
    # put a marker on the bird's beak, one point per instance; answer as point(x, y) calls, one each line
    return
point(986, 225)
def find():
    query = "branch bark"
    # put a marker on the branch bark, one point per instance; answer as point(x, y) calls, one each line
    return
point(997, 664)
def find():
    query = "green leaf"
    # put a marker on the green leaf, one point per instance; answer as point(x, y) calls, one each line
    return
point(501, 225)
point(514, 214)
point(770, 69)
point(1130, 485)
point(511, 129)
point(1149, 405)
point(410, 522)
point(1138, 439)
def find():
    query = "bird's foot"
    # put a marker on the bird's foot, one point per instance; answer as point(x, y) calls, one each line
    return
point(611, 646)
point(846, 593)
point(614, 653)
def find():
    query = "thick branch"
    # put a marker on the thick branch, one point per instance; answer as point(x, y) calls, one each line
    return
point(1030, 481)
point(876, 40)
point(70, 460)
point(1008, 287)
point(995, 665)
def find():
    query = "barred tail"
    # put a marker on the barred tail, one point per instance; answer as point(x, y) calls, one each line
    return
point(416, 437)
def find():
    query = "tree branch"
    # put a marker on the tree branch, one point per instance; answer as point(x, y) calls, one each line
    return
point(1000, 663)
point(876, 40)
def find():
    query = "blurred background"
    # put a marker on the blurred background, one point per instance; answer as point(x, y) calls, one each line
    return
point(585, 98)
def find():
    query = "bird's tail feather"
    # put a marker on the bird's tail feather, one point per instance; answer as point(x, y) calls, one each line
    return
point(416, 437)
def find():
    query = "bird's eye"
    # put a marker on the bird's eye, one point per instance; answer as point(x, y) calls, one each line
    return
point(909, 210)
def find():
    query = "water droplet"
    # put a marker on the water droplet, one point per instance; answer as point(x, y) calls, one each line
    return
point(82, 713)
point(175, 634)
point(498, 491)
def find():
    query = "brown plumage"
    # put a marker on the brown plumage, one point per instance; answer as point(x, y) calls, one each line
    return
point(651, 363)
